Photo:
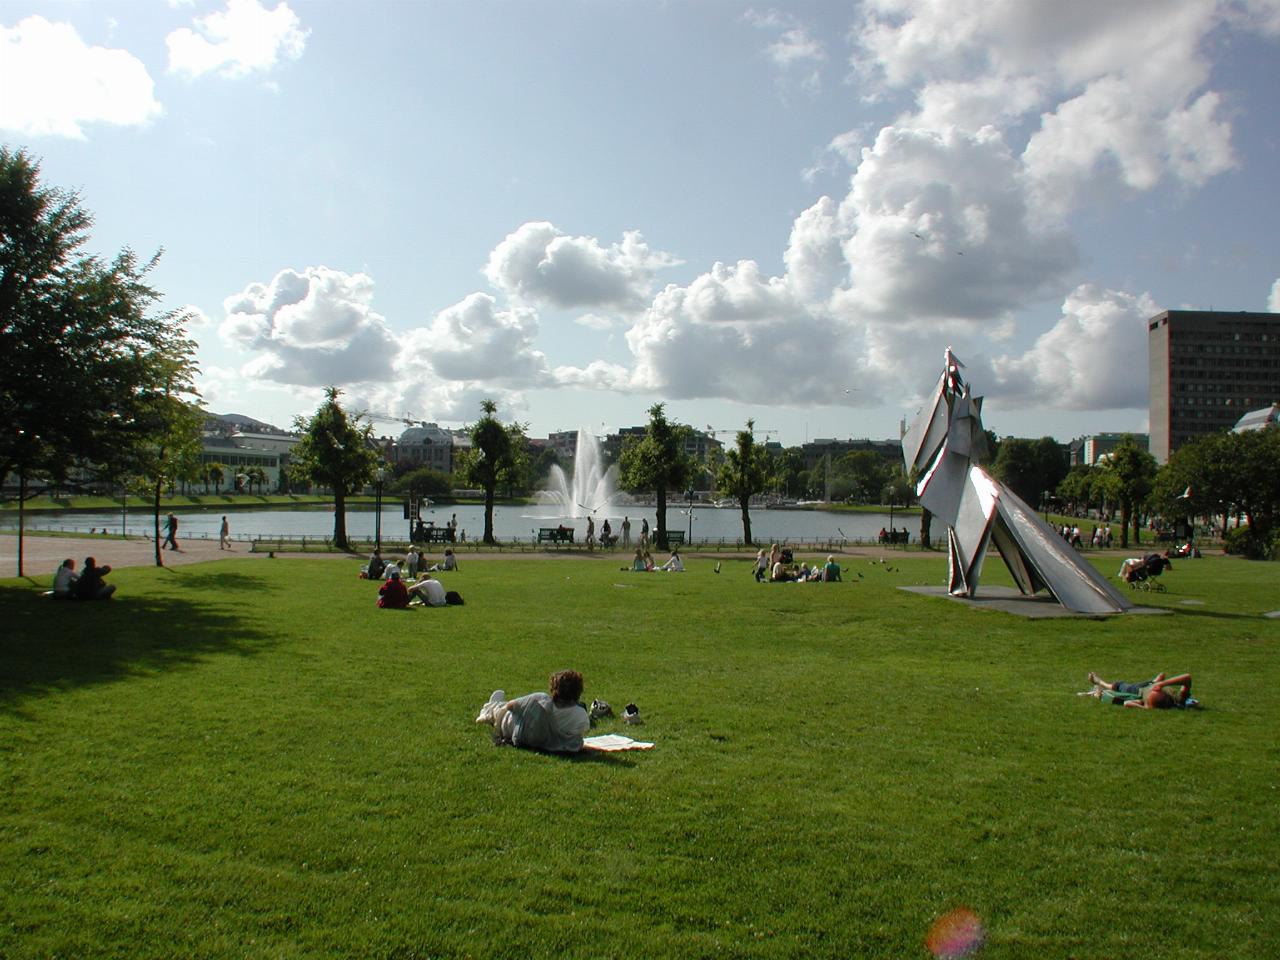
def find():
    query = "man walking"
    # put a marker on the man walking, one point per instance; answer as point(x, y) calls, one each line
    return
point(171, 533)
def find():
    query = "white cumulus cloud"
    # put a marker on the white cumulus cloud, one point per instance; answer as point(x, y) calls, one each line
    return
point(52, 83)
point(540, 264)
point(1087, 360)
point(244, 38)
point(475, 340)
point(311, 328)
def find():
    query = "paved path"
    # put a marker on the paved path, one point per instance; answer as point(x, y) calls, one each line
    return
point(41, 555)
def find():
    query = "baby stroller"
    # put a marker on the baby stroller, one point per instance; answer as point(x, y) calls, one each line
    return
point(1144, 573)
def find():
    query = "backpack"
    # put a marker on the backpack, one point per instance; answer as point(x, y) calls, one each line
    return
point(453, 598)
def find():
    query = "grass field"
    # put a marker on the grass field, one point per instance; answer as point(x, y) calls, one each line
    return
point(247, 758)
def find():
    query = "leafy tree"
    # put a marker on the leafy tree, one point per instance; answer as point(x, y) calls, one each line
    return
point(214, 473)
point(423, 482)
point(657, 462)
point(861, 475)
point(257, 477)
point(742, 474)
point(1224, 475)
point(1128, 474)
point(518, 477)
point(336, 451)
point(488, 461)
point(84, 356)
point(1030, 467)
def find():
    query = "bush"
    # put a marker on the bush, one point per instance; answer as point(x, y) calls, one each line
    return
point(1245, 542)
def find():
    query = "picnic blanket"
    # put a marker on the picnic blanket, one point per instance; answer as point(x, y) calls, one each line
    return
point(611, 741)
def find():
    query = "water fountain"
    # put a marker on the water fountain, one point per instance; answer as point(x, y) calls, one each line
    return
point(591, 487)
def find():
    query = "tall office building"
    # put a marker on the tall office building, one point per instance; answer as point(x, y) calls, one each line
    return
point(1205, 370)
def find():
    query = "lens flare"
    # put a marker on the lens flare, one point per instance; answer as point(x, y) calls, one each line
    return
point(955, 935)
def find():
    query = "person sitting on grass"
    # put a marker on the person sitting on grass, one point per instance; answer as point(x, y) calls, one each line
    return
point(450, 562)
point(90, 586)
point(1149, 694)
point(648, 562)
point(392, 595)
point(780, 573)
point(430, 592)
point(637, 564)
point(675, 564)
point(64, 581)
point(554, 721)
point(374, 570)
point(831, 572)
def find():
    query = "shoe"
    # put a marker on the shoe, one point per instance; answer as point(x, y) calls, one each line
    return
point(600, 709)
point(631, 714)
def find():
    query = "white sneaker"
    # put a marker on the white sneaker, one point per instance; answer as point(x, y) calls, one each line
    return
point(496, 699)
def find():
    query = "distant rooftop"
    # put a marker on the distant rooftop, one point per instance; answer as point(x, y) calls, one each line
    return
point(1259, 419)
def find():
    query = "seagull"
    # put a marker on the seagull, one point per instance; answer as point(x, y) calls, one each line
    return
point(917, 236)
point(717, 566)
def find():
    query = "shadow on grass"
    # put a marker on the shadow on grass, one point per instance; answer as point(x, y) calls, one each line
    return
point(47, 645)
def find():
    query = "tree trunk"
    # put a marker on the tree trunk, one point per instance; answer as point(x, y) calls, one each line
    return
point(660, 530)
point(1124, 524)
point(926, 523)
point(746, 521)
point(155, 521)
point(340, 519)
point(22, 501)
point(488, 513)
point(1137, 522)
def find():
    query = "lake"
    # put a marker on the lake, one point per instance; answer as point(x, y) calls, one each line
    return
point(710, 524)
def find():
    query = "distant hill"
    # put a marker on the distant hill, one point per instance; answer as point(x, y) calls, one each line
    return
point(233, 422)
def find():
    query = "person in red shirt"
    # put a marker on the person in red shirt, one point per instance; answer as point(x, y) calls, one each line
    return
point(393, 594)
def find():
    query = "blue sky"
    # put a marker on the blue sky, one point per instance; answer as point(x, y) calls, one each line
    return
point(779, 212)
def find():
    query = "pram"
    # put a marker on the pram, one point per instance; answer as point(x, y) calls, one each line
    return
point(1143, 573)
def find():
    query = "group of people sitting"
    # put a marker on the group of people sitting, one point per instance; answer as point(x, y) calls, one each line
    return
point(88, 584)
point(778, 567)
point(412, 564)
point(643, 563)
point(400, 589)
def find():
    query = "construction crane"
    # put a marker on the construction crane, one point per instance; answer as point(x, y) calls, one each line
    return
point(759, 433)
point(392, 418)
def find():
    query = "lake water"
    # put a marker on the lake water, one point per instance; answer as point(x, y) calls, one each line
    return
point(510, 523)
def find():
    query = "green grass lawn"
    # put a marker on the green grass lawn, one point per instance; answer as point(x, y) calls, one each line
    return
point(247, 758)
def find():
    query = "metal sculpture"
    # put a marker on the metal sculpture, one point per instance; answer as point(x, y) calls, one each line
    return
point(945, 445)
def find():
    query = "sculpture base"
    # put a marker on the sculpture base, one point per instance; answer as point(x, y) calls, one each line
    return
point(1037, 607)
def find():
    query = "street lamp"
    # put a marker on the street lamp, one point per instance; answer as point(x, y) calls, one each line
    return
point(379, 475)
point(689, 539)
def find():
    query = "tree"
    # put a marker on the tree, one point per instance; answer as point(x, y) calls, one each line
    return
point(84, 356)
point(860, 475)
point(1128, 475)
point(423, 482)
point(488, 460)
point(336, 451)
point(1030, 468)
point(214, 473)
point(743, 474)
point(257, 477)
point(656, 462)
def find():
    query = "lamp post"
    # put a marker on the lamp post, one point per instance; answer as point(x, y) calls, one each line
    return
point(379, 475)
point(689, 494)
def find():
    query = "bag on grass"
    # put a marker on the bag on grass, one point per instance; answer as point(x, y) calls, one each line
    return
point(453, 598)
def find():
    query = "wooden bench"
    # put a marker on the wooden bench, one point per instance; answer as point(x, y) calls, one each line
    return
point(675, 538)
point(555, 535)
point(895, 537)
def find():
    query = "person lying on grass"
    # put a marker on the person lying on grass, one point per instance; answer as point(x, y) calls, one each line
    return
point(553, 721)
point(1149, 694)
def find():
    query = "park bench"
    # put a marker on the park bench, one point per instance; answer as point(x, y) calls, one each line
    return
point(895, 536)
point(555, 535)
point(675, 538)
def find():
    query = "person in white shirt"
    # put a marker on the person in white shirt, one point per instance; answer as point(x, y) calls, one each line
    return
point(411, 563)
point(674, 565)
point(429, 591)
point(65, 579)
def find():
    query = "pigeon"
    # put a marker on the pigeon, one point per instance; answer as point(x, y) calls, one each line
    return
point(631, 714)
